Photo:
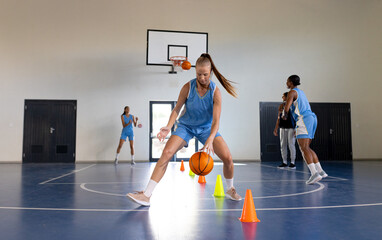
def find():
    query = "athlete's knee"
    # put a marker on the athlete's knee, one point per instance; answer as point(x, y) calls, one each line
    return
point(227, 160)
point(168, 153)
point(305, 149)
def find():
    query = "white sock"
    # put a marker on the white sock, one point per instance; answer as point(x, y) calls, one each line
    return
point(132, 157)
point(318, 167)
point(117, 156)
point(229, 183)
point(150, 188)
point(312, 168)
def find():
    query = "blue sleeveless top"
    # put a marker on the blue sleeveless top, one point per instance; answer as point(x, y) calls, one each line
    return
point(128, 128)
point(197, 111)
point(300, 108)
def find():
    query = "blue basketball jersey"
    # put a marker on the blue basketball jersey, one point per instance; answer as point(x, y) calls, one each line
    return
point(197, 111)
point(128, 128)
point(300, 108)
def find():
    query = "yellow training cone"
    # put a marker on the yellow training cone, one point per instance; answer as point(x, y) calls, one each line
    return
point(219, 189)
point(191, 173)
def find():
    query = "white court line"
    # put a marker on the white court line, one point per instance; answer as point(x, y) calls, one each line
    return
point(75, 171)
point(79, 183)
point(294, 170)
point(196, 210)
point(322, 186)
point(104, 193)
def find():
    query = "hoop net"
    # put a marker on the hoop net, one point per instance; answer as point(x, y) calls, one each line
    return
point(177, 60)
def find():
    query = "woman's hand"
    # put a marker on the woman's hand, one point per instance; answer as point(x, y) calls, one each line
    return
point(275, 132)
point(208, 147)
point(164, 131)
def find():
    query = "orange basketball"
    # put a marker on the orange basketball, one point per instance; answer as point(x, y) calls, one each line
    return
point(201, 163)
point(186, 65)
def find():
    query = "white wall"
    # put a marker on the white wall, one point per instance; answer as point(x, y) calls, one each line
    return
point(95, 51)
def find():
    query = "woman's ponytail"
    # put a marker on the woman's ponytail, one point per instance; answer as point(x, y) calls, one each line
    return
point(204, 58)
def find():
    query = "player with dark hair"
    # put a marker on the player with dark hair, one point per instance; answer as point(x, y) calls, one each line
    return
point(287, 136)
point(306, 124)
point(128, 121)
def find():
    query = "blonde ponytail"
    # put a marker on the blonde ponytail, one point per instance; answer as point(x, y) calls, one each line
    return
point(205, 58)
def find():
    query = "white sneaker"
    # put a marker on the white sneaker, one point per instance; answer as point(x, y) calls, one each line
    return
point(139, 198)
point(323, 174)
point(314, 178)
point(132, 162)
point(116, 161)
point(232, 194)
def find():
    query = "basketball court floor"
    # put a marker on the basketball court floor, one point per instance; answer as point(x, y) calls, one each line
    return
point(87, 201)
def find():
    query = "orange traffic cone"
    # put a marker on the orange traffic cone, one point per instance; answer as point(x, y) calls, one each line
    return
point(182, 166)
point(202, 179)
point(249, 212)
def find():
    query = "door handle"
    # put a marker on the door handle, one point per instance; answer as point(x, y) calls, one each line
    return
point(331, 131)
point(52, 130)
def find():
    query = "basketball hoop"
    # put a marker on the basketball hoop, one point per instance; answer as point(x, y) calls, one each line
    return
point(176, 63)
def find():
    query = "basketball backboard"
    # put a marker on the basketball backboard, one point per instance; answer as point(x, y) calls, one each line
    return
point(163, 44)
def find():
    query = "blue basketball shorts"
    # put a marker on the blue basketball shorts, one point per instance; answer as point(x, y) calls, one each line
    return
point(126, 134)
point(187, 133)
point(306, 127)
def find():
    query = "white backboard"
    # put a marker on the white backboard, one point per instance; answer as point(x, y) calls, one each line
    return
point(163, 44)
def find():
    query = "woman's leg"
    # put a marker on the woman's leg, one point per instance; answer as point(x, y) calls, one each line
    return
point(303, 143)
point(291, 144)
point(132, 147)
point(308, 153)
point(174, 144)
point(314, 155)
point(221, 149)
point(284, 146)
point(121, 141)
point(132, 151)
point(317, 164)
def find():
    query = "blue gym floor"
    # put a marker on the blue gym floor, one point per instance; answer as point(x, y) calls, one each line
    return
point(87, 201)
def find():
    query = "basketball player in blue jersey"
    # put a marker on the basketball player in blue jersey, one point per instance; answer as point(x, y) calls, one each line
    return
point(306, 124)
point(200, 118)
point(127, 132)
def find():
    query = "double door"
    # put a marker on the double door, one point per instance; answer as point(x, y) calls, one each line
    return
point(49, 131)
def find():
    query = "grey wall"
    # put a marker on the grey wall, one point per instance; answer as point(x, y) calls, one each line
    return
point(95, 51)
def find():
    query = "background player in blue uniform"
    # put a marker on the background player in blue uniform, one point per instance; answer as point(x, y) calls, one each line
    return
point(306, 124)
point(128, 121)
point(200, 118)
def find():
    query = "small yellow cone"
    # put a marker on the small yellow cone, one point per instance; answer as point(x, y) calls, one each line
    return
point(219, 189)
point(191, 173)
